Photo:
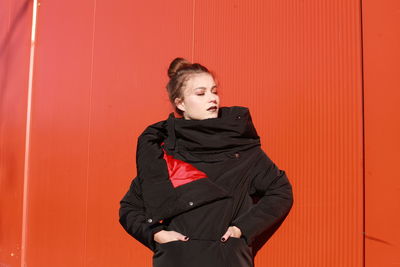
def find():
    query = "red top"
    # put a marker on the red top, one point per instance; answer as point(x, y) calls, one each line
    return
point(181, 172)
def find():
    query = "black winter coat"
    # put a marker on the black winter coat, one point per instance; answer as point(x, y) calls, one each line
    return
point(198, 177)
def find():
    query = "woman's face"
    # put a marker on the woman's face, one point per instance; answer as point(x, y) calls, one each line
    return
point(200, 93)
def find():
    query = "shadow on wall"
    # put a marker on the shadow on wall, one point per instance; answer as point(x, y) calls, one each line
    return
point(6, 48)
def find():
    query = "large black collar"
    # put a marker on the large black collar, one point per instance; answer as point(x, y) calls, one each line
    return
point(211, 139)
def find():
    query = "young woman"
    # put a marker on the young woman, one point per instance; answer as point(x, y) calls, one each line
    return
point(205, 193)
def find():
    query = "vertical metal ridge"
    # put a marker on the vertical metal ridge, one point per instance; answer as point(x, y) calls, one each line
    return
point(84, 258)
point(363, 129)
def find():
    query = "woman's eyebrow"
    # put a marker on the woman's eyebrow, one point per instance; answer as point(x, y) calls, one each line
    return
point(205, 87)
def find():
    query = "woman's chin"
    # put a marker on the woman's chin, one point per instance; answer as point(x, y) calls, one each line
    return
point(208, 115)
point(212, 116)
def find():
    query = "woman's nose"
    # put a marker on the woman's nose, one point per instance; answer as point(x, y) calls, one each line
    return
point(213, 97)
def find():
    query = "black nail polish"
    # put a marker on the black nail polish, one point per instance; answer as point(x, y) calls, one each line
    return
point(223, 239)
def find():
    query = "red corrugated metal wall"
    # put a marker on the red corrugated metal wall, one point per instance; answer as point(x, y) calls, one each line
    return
point(15, 34)
point(381, 35)
point(307, 69)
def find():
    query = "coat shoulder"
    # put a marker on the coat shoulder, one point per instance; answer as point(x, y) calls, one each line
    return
point(157, 130)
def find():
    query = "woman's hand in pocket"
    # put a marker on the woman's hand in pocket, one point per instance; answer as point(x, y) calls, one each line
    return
point(164, 236)
point(232, 231)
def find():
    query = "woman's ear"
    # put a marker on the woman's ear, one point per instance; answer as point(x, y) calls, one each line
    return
point(179, 103)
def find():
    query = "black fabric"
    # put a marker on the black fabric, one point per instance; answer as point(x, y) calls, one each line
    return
point(213, 139)
point(243, 187)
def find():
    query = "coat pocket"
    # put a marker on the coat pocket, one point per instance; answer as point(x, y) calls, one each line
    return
point(237, 239)
point(239, 252)
point(239, 243)
point(169, 242)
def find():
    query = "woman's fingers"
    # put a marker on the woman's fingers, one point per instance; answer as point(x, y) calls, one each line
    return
point(168, 236)
point(232, 231)
point(179, 236)
point(225, 236)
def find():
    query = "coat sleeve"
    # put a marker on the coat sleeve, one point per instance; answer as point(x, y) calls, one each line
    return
point(132, 212)
point(133, 219)
point(274, 190)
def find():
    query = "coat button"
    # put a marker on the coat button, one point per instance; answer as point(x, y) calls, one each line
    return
point(149, 220)
point(190, 203)
point(238, 117)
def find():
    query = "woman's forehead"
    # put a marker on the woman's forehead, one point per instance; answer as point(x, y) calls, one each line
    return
point(200, 81)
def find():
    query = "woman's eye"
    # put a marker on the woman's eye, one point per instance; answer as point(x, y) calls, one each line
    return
point(215, 92)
